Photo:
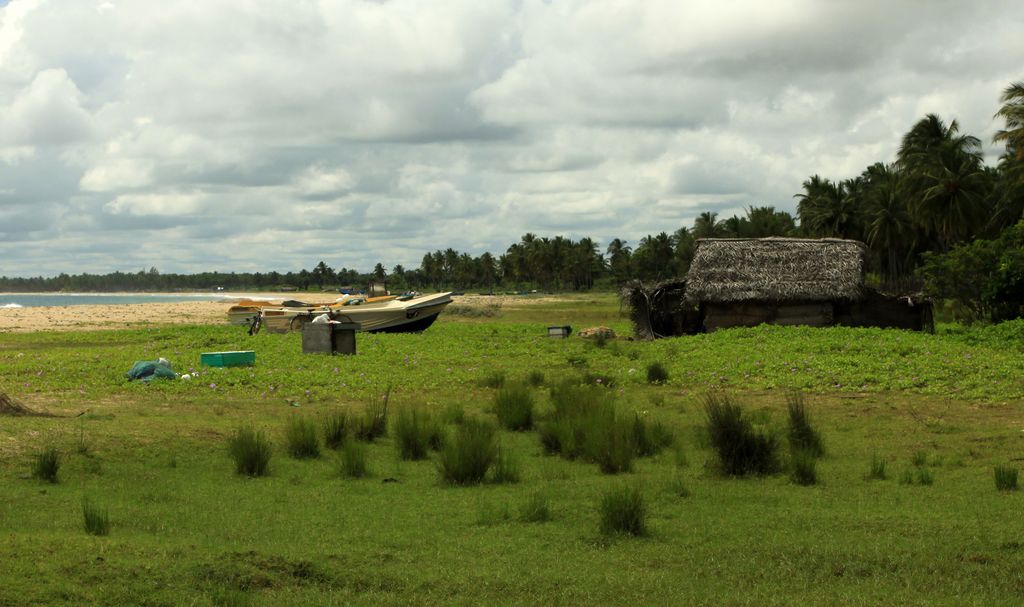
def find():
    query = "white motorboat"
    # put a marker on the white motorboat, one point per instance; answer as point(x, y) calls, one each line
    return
point(405, 314)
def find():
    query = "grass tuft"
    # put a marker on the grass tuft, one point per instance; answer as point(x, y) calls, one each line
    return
point(96, 519)
point(535, 379)
point(251, 451)
point(805, 471)
point(373, 424)
point(494, 379)
point(536, 509)
point(301, 438)
point(469, 454)
point(623, 512)
point(651, 436)
point(352, 460)
point(920, 458)
point(1006, 478)
point(47, 465)
point(335, 429)
point(414, 431)
point(506, 467)
point(657, 373)
point(803, 437)
point(740, 449)
point(876, 471)
point(514, 407)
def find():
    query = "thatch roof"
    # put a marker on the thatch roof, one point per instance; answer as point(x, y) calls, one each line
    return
point(776, 270)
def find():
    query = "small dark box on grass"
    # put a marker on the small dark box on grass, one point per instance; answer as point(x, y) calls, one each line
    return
point(329, 338)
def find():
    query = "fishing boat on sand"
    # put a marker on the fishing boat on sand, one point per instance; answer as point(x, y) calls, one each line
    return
point(389, 314)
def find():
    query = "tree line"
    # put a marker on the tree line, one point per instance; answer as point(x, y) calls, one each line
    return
point(933, 212)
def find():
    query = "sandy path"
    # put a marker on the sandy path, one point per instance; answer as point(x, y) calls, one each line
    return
point(122, 316)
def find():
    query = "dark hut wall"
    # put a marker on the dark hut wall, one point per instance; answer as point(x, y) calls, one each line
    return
point(751, 314)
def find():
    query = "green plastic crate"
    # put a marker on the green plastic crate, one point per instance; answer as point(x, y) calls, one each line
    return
point(228, 359)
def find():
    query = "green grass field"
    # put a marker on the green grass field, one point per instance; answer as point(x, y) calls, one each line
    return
point(186, 530)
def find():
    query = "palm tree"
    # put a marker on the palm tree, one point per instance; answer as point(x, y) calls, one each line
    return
point(1010, 201)
point(1013, 113)
point(888, 226)
point(707, 226)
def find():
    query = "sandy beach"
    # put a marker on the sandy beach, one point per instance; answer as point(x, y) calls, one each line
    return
point(123, 316)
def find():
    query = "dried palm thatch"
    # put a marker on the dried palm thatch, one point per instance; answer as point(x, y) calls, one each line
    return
point(659, 311)
point(776, 270)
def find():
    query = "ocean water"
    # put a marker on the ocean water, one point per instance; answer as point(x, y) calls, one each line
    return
point(35, 300)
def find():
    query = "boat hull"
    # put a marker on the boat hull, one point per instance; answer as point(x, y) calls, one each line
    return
point(410, 316)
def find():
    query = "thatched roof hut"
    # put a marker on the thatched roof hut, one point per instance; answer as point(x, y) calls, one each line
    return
point(730, 270)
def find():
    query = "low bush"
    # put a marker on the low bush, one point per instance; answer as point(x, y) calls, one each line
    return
point(251, 451)
point(657, 373)
point(414, 431)
point(1006, 478)
point(805, 471)
point(352, 461)
point(96, 519)
point(469, 454)
point(623, 512)
point(536, 509)
point(803, 437)
point(740, 449)
point(46, 465)
point(335, 428)
point(513, 405)
point(301, 438)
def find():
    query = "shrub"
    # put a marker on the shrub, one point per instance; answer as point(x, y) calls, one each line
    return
point(802, 436)
point(301, 438)
point(514, 407)
point(506, 467)
point(413, 430)
point(657, 373)
point(739, 447)
point(251, 451)
point(466, 457)
point(651, 437)
point(47, 465)
point(374, 422)
point(96, 519)
point(1006, 478)
point(623, 512)
point(536, 509)
point(805, 470)
point(335, 427)
point(877, 469)
point(494, 379)
point(535, 379)
point(352, 460)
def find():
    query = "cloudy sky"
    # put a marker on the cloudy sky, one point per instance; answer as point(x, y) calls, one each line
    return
point(242, 135)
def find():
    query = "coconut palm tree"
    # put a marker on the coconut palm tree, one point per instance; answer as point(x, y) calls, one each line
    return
point(707, 226)
point(1013, 113)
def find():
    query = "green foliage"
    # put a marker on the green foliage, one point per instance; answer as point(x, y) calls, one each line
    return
point(514, 405)
point(373, 423)
point(740, 449)
point(585, 424)
point(536, 508)
point(251, 451)
point(335, 429)
point(1006, 478)
point(657, 373)
point(802, 436)
point(506, 467)
point(46, 465)
point(920, 458)
point(95, 518)
point(469, 454)
point(535, 379)
point(352, 459)
point(301, 440)
point(651, 436)
point(804, 470)
point(414, 431)
point(623, 511)
point(876, 470)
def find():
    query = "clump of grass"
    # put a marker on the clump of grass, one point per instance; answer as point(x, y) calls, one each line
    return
point(657, 373)
point(651, 436)
point(506, 467)
point(352, 460)
point(623, 512)
point(610, 441)
point(493, 514)
point(514, 407)
point(920, 458)
point(535, 379)
point(918, 475)
point(678, 487)
point(46, 465)
point(335, 429)
point(536, 509)
point(803, 437)
point(373, 424)
point(494, 379)
point(301, 438)
point(96, 519)
point(453, 413)
point(907, 477)
point(414, 430)
point(876, 471)
point(805, 471)
point(924, 477)
point(1006, 478)
point(740, 449)
point(469, 454)
point(598, 379)
point(251, 451)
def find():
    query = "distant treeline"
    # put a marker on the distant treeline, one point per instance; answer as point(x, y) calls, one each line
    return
point(936, 213)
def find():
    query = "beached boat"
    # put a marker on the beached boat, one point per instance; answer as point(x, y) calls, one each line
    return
point(245, 312)
point(390, 314)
